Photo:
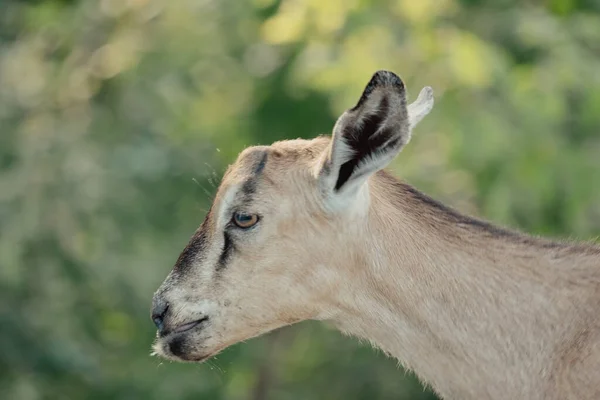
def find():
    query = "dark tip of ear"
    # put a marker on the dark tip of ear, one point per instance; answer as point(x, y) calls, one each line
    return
point(380, 78)
point(386, 78)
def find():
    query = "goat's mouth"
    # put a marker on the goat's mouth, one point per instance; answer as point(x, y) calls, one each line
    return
point(188, 326)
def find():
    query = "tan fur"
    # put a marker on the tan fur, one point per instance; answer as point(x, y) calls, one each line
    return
point(478, 312)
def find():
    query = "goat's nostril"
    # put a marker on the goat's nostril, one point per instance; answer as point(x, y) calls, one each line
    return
point(158, 314)
point(158, 321)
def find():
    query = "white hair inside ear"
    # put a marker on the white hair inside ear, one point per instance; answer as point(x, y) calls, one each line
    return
point(418, 109)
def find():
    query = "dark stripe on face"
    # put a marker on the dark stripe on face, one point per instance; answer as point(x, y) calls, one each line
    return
point(261, 164)
point(196, 246)
point(247, 191)
point(226, 252)
point(178, 346)
point(249, 187)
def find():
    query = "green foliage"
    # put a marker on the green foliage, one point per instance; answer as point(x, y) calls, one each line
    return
point(117, 119)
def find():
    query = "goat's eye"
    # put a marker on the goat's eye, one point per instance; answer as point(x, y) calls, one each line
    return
point(243, 220)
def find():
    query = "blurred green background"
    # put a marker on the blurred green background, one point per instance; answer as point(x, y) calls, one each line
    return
point(118, 117)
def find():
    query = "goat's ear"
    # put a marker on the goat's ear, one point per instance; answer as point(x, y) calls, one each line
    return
point(369, 135)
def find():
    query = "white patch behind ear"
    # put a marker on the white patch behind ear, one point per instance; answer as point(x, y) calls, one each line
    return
point(418, 109)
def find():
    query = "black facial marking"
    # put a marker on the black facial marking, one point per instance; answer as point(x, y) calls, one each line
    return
point(249, 187)
point(177, 346)
point(247, 191)
point(226, 252)
point(197, 245)
point(261, 164)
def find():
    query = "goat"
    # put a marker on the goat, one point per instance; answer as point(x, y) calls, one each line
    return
point(317, 229)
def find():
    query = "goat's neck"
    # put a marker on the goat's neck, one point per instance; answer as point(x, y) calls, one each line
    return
point(466, 306)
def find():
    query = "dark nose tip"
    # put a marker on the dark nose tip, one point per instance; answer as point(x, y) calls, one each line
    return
point(159, 310)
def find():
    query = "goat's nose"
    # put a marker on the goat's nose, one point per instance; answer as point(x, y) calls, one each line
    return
point(159, 310)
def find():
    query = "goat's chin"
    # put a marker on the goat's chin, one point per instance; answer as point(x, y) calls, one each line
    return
point(183, 348)
point(196, 346)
